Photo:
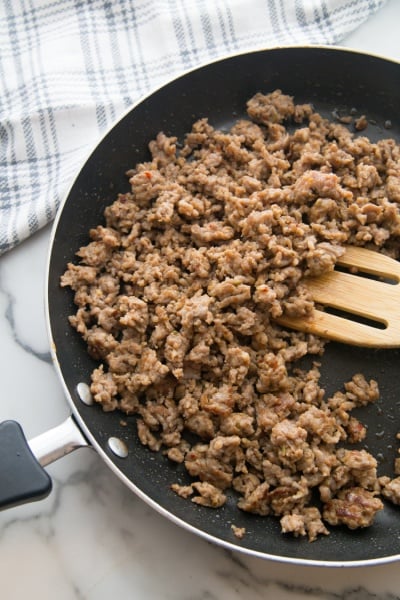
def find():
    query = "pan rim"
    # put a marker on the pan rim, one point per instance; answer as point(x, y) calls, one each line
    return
point(298, 561)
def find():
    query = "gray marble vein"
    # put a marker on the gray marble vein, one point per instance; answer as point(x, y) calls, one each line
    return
point(10, 319)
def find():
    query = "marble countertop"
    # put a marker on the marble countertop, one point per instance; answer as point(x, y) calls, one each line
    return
point(92, 538)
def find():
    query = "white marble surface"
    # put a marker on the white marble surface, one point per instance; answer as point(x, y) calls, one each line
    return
point(92, 538)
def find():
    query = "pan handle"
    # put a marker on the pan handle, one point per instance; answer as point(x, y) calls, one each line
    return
point(22, 476)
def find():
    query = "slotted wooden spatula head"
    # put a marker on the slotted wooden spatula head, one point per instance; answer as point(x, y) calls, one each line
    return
point(355, 295)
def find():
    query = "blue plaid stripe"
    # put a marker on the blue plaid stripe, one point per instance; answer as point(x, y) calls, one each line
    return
point(69, 67)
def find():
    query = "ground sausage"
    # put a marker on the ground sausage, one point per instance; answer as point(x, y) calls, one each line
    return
point(178, 290)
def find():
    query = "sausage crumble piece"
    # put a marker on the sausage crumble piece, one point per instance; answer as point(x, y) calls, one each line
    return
point(177, 295)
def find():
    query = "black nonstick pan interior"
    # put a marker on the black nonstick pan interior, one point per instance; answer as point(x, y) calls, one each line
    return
point(335, 81)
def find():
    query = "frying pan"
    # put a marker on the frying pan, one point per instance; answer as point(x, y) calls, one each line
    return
point(334, 80)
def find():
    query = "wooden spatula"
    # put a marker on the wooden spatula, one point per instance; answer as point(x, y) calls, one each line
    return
point(377, 301)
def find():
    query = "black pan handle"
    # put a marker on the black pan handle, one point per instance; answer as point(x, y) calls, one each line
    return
point(22, 476)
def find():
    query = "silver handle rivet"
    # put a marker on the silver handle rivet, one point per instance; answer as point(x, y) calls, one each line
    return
point(84, 393)
point(118, 447)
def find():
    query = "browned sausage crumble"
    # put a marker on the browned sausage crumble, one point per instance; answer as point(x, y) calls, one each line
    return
point(177, 295)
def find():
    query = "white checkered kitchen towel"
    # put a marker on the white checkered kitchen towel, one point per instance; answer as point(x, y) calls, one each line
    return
point(68, 68)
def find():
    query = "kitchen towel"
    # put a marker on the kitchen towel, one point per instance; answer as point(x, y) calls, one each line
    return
point(68, 68)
